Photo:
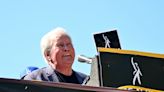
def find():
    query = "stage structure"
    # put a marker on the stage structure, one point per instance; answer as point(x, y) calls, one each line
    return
point(112, 70)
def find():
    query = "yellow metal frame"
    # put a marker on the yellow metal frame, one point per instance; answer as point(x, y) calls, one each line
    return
point(138, 88)
point(120, 51)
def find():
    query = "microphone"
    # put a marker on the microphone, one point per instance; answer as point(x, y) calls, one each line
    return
point(84, 59)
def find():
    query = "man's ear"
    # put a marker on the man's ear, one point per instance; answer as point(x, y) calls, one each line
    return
point(47, 56)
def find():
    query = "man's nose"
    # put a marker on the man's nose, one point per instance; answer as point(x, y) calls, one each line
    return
point(66, 47)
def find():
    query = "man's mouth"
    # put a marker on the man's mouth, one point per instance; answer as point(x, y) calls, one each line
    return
point(66, 56)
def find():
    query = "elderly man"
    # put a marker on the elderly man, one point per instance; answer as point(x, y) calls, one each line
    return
point(58, 52)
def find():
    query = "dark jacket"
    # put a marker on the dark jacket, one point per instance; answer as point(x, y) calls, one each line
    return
point(48, 74)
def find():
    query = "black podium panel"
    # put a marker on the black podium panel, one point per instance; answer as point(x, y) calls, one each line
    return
point(108, 39)
point(123, 67)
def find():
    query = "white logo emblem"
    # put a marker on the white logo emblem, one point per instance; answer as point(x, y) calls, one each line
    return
point(107, 42)
point(137, 73)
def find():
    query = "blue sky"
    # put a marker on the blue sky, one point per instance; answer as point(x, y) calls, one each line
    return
point(140, 26)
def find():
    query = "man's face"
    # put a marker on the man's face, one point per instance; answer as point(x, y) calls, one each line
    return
point(62, 53)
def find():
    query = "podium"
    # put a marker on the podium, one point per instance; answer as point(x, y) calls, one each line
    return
point(126, 68)
point(15, 85)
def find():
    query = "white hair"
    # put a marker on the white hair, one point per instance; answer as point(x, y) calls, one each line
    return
point(48, 39)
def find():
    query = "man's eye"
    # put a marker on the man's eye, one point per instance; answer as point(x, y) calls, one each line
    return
point(60, 45)
point(63, 45)
point(69, 44)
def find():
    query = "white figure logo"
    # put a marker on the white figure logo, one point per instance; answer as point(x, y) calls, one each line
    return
point(137, 73)
point(107, 42)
